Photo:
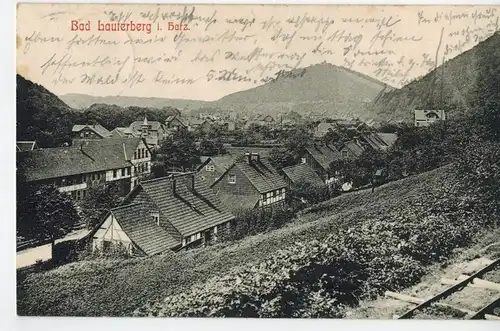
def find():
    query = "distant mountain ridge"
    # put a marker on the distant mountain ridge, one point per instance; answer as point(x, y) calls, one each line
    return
point(452, 86)
point(84, 101)
point(322, 88)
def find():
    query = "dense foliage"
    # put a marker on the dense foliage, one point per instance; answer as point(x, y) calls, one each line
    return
point(212, 147)
point(97, 202)
point(44, 213)
point(177, 152)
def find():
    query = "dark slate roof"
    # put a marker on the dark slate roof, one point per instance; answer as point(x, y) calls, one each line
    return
point(302, 173)
point(324, 154)
point(138, 224)
point(261, 174)
point(188, 212)
point(355, 147)
point(23, 146)
point(125, 147)
point(388, 138)
point(374, 141)
point(238, 202)
point(48, 163)
point(95, 155)
point(97, 128)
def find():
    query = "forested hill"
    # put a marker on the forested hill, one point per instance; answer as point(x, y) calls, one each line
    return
point(321, 88)
point(453, 86)
point(43, 117)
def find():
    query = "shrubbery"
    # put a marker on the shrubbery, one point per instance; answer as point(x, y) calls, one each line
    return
point(318, 278)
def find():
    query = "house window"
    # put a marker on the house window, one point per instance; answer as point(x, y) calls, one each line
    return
point(303, 160)
point(123, 172)
point(81, 134)
point(188, 240)
point(146, 166)
point(114, 173)
point(210, 168)
point(128, 171)
point(231, 179)
point(135, 155)
point(147, 154)
point(345, 153)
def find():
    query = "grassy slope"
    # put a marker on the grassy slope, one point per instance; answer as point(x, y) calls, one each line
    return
point(114, 288)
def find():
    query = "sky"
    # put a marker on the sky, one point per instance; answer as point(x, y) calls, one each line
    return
point(207, 52)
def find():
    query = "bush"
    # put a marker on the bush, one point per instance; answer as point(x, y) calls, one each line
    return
point(321, 278)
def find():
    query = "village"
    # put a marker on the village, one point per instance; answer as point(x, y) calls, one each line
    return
point(194, 206)
point(361, 183)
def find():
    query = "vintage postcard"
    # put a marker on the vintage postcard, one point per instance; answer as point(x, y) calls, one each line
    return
point(293, 161)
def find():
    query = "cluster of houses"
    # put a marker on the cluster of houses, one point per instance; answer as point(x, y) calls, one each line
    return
point(182, 210)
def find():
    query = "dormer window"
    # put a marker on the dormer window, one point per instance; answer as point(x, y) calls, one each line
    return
point(210, 168)
point(345, 153)
point(303, 160)
point(231, 179)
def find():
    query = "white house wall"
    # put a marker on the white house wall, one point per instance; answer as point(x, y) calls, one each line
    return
point(111, 231)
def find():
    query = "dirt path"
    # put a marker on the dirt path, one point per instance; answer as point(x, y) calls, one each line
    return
point(486, 249)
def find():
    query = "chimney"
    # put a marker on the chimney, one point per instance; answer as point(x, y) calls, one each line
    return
point(257, 156)
point(249, 157)
point(174, 184)
point(191, 183)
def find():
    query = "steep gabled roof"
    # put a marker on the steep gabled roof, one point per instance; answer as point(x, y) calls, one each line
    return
point(380, 141)
point(137, 222)
point(118, 132)
point(121, 146)
point(388, 138)
point(189, 212)
point(260, 173)
point(48, 163)
point(354, 147)
point(238, 202)
point(97, 128)
point(302, 173)
point(324, 154)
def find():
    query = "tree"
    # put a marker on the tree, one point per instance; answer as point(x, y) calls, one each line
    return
point(44, 213)
point(296, 139)
point(280, 157)
point(212, 147)
point(98, 201)
point(176, 153)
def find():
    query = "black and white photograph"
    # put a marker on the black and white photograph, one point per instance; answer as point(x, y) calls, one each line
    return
point(258, 161)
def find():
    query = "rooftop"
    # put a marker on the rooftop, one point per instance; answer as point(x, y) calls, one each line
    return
point(97, 128)
point(188, 211)
point(303, 173)
point(89, 157)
